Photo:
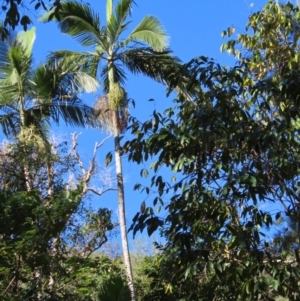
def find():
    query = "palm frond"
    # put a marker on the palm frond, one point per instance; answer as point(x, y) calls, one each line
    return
point(32, 98)
point(17, 59)
point(119, 76)
point(10, 98)
point(79, 21)
point(72, 111)
point(116, 22)
point(123, 9)
point(15, 66)
point(38, 120)
point(26, 39)
point(4, 48)
point(84, 82)
point(104, 43)
point(151, 32)
point(73, 114)
point(10, 124)
point(61, 79)
point(160, 66)
point(86, 61)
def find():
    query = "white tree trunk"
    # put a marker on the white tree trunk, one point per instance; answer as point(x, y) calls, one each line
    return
point(121, 206)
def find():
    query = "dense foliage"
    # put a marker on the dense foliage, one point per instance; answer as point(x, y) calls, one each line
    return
point(234, 152)
point(224, 171)
point(48, 240)
point(17, 13)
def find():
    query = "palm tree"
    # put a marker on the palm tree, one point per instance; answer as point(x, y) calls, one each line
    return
point(30, 97)
point(143, 51)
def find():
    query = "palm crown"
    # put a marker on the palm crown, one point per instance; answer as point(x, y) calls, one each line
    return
point(144, 50)
point(32, 96)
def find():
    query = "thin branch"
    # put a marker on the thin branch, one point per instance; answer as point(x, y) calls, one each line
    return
point(91, 169)
point(74, 146)
point(97, 192)
point(102, 142)
point(87, 174)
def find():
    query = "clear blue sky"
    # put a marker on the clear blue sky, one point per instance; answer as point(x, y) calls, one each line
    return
point(194, 27)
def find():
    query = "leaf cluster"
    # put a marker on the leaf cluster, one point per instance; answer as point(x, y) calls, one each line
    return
point(234, 153)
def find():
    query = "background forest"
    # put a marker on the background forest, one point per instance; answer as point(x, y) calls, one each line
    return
point(218, 170)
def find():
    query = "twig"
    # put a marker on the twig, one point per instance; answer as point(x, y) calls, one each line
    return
point(97, 192)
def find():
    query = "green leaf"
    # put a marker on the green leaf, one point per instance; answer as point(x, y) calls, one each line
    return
point(252, 181)
point(79, 21)
point(218, 267)
point(143, 207)
point(108, 158)
point(144, 173)
point(275, 284)
point(137, 186)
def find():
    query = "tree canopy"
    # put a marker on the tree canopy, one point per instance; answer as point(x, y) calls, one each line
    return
point(234, 152)
point(222, 188)
point(17, 13)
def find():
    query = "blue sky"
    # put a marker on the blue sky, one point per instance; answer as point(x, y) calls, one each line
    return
point(194, 27)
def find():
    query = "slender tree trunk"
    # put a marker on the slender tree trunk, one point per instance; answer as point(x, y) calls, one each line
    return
point(50, 172)
point(27, 179)
point(121, 206)
point(119, 173)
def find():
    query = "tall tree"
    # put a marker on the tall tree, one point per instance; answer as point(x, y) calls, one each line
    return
point(234, 150)
point(32, 96)
point(143, 51)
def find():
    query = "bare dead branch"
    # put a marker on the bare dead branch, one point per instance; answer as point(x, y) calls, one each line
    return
point(74, 147)
point(90, 171)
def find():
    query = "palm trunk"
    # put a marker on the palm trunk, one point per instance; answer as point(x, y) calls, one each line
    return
point(121, 206)
point(120, 183)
